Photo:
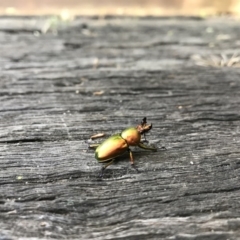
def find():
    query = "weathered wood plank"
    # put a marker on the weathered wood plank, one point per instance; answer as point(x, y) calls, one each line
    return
point(103, 75)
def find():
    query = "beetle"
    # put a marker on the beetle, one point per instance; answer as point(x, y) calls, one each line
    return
point(118, 144)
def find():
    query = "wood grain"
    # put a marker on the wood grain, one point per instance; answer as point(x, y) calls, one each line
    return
point(59, 88)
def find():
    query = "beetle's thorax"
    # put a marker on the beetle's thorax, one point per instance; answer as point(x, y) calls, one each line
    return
point(132, 136)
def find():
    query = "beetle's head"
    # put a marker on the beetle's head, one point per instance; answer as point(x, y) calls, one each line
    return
point(144, 127)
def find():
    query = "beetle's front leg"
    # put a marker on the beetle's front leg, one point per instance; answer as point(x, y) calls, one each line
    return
point(145, 139)
point(131, 160)
point(141, 145)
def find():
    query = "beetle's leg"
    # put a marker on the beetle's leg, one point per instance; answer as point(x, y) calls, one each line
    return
point(131, 160)
point(141, 145)
point(104, 167)
point(93, 146)
point(145, 139)
point(98, 135)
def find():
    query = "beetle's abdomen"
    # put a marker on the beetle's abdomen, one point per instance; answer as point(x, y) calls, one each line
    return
point(111, 148)
point(132, 136)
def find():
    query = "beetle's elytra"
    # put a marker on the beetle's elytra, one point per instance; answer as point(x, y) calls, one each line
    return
point(116, 145)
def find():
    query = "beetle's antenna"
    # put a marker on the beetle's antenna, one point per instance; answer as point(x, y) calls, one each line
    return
point(144, 121)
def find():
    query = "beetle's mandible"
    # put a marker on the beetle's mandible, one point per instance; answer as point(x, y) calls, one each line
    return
point(116, 145)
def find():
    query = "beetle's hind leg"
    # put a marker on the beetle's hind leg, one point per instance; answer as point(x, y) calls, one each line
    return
point(94, 146)
point(104, 167)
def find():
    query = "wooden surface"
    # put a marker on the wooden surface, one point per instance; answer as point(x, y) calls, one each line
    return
point(120, 7)
point(57, 88)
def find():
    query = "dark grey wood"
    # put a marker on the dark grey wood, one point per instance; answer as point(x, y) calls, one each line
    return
point(61, 82)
